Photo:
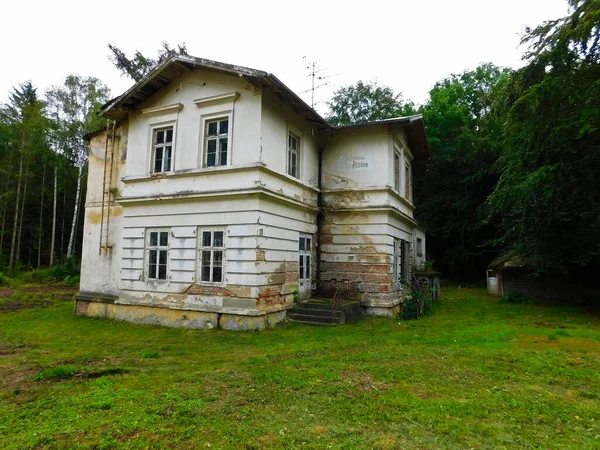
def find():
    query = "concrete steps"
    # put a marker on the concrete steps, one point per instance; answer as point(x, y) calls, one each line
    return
point(315, 313)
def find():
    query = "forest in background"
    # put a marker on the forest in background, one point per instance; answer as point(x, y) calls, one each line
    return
point(513, 168)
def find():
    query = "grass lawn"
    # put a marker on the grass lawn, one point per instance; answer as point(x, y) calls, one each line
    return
point(477, 373)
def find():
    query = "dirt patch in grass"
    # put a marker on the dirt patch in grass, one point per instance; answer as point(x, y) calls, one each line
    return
point(30, 297)
point(11, 349)
point(559, 343)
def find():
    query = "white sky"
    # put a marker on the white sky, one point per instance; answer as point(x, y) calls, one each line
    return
point(408, 45)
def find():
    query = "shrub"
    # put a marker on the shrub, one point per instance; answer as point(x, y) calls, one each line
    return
point(4, 280)
point(517, 297)
point(420, 302)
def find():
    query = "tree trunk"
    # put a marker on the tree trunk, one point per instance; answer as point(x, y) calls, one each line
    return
point(64, 214)
point(39, 261)
point(54, 218)
point(75, 212)
point(11, 260)
point(5, 208)
point(23, 208)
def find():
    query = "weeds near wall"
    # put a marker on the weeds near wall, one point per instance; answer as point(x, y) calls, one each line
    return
point(419, 302)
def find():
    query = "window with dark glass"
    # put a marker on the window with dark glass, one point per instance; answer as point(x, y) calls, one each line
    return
point(217, 142)
point(212, 250)
point(304, 257)
point(162, 150)
point(397, 171)
point(293, 150)
point(400, 260)
point(158, 255)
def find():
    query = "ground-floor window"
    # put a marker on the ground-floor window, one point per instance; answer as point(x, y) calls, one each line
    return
point(212, 255)
point(157, 245)
point(304, 257)
point(400, 260)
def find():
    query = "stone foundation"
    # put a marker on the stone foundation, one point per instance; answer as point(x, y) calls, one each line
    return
point(200, 318)
point(383, 308)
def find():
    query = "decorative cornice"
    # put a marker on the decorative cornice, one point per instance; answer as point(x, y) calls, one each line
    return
point(164, 109)
point(229, 97)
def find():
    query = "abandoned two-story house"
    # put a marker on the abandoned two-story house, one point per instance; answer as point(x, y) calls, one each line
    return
point(216, 197)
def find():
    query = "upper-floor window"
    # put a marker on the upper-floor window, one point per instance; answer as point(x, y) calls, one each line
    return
point(216, 142)
point(162, 150)
point(419, 247)
point(408, 182)
point(212, 252)
point(293, 168)
point(158, 254)
point(397, 171)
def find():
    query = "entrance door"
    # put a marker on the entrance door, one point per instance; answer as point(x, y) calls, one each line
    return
point(305, 265)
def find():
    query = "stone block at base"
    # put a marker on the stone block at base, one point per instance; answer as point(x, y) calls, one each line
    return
point(383, 308)
point(178, 318)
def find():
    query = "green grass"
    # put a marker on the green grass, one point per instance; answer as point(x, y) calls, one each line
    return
point(477, 373)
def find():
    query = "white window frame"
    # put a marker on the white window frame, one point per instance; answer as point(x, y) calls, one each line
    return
point(305, 257)
point(158, 248)
point(408, 180)
point(154, 129)
point(400, 260)
point(293, 132)
point(212, 249)
point(419, 248)
point(206, 119)
point(397, 164)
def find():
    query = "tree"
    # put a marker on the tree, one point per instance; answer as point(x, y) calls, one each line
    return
point(547, 201)
point(465, 137)
point(74, 108)
point(366, 102)
point(139, 65)
point(26, 126)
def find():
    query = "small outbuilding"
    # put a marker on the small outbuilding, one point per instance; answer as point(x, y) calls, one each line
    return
point(508, 274)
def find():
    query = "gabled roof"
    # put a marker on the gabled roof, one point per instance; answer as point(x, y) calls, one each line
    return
point(171, 68)
point(508, 261)
point(163, 74)
point(415, 131)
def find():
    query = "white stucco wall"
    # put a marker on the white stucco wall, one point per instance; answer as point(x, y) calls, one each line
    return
point(277, 119)
point(356, 158)
point(245, 120)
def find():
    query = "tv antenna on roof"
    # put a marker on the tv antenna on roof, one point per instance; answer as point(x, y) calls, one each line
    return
point(313, 74)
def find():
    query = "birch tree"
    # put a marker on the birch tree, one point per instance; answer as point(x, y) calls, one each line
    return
point(74, 107)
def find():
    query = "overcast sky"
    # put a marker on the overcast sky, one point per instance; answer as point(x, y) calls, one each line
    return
point(408, 45)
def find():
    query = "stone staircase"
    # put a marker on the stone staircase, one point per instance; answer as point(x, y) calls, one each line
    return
point(318, 313)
